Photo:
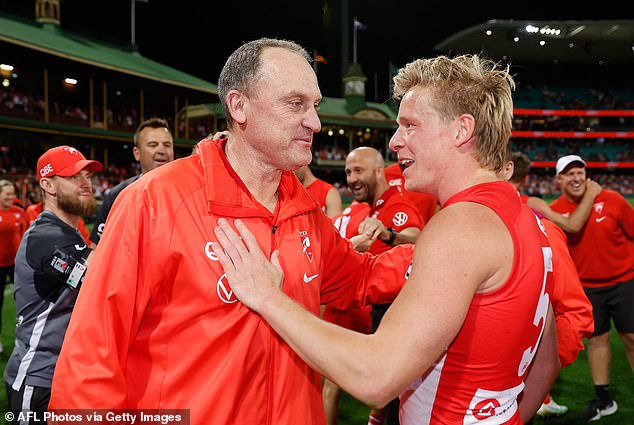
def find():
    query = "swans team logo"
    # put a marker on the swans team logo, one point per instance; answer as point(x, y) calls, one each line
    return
point(598, 207)
point(307, 250)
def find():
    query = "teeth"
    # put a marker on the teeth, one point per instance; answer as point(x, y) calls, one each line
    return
point(406, 163)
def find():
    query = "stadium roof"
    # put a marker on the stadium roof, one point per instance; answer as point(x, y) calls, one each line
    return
point(574, 42)
point(53, 40)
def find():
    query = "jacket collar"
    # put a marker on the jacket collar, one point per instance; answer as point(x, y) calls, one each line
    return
point(227, 195)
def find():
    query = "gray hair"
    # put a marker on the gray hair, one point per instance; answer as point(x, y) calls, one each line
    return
point(243, 68)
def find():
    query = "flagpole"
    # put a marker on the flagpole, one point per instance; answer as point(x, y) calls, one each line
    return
point(354, 42)
point(132, 23)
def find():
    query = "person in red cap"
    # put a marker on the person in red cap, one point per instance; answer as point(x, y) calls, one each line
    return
point(604, 255)
point(49, 268)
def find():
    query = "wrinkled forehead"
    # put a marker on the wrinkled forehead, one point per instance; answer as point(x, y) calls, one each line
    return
point(282, 69)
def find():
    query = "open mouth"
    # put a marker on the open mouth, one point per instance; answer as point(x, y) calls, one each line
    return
point(406, 163)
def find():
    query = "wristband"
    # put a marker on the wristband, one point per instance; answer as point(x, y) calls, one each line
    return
point(392, 237)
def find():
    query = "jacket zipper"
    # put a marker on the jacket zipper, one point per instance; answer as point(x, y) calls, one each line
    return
point(269, 416)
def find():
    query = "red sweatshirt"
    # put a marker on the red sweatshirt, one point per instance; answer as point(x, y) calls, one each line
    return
point(603, 250)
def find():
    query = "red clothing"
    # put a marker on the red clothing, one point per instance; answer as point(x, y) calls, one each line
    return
point(394, 211)
point(13, 224)
point(319, 191)
point(573, 310)
point(356, 319)
point(482, 373)
point(426, 204)
point(603, 250)
point(347, 223)
point(157, 326)
point(33, 211)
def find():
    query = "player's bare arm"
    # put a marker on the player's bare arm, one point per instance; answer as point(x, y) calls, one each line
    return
point(454, 259)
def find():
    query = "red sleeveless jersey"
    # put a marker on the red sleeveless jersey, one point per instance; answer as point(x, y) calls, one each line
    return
point(478, 379)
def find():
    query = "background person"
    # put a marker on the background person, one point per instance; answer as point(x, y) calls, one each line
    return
point(34, 210)
point(481, 266)
point(399, 222)
point(571, 223)
point(326, 195)
point(424, 203)
point(13, 224)
point(153, 147)
point(50, 267)
point(603, 253)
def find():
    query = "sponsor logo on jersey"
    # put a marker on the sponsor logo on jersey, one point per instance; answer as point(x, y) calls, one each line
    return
point(395, 182)
point(400, 218)
point(224, 291)
point(79, 247)
point(485, 409)
point(210, 252)
point(306, 247)
point(600, 219)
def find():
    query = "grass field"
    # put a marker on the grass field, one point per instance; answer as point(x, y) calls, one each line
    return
point(573, 388)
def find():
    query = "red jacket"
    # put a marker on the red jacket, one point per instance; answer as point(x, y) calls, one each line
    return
point(13, 224)
point(573, 311)
point(156, 324)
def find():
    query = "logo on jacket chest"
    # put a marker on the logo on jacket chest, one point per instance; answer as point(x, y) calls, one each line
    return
point(223, 289)
point(598, 207)
point(307, 249)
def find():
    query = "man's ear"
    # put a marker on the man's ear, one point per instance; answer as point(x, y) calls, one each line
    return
point(47, 186)
point(465, 129)
point(137, 153)
point(236, 104)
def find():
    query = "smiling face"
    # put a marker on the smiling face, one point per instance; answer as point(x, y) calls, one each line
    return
point(421, 141)
point(572, 181)
point(363, 170)
point(7, 196)
point(279, 116)
point(155, 148)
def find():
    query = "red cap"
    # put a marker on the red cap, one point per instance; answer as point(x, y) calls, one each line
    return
point(64, 161)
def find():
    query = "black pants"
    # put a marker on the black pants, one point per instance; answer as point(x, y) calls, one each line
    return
point(391, 409)
point(28, 399)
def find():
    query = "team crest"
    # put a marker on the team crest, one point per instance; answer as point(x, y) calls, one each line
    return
point(598, 207)
point(306, 247)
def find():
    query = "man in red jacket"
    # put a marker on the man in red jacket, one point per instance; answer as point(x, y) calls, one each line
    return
point(157, 324)
point(604, 255)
